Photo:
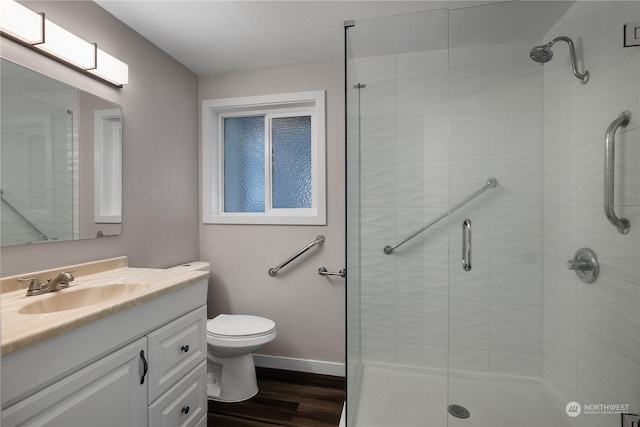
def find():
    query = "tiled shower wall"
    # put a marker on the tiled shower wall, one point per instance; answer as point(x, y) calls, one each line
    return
point(435, 126)
point(591, 340)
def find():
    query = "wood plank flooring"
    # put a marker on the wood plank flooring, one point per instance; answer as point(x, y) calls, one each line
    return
point(285, 398)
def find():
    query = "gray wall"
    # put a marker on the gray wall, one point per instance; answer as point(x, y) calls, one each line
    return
point(160, 206)
point(308, 309)
point(160, 143)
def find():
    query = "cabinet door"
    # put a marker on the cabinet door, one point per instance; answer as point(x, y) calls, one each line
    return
point(106, 393)
point(175, 349)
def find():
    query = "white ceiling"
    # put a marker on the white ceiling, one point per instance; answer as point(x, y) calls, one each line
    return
point(211, 37)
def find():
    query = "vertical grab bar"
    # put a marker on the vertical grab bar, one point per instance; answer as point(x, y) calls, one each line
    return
point(466, 245)
point(622, 224)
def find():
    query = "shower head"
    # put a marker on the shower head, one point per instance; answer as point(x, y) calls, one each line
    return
point(541, 54)
point(544, 54)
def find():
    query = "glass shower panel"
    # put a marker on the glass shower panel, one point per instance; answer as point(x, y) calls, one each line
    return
point(353, 229)
point(397, 134)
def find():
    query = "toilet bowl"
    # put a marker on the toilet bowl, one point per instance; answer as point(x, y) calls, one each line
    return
point(231, 341)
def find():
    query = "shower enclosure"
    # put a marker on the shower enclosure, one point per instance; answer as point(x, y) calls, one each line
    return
point(461, 308)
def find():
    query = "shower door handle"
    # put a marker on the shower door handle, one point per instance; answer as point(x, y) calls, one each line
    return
point(466, 245)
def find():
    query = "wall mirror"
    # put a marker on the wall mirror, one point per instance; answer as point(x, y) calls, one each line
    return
point(60, 160)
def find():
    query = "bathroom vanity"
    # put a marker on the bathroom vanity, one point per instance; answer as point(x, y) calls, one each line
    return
point(119, 346)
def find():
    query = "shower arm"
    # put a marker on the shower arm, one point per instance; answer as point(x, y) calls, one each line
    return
point(584, 77)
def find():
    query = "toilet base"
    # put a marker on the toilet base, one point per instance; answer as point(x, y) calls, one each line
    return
point(231, 379)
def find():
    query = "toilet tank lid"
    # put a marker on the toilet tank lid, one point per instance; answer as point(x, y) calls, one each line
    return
point(239, 325)
point(193, 266)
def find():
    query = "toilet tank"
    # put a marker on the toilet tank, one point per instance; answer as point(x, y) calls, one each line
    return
point(193, 266)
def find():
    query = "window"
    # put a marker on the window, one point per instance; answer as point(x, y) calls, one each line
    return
point(264, 159)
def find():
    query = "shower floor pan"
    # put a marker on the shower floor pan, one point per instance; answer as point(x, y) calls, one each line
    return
point(404, 397)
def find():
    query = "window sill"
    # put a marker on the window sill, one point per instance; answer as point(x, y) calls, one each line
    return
point(260, 218)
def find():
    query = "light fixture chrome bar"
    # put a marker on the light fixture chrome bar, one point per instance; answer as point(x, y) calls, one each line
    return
point(94, 66)
point(42, 30)
point(90, 71)
point(622, 224)
point(43, 236)
point(319, 240)
point(491, 183)
point(34, 31)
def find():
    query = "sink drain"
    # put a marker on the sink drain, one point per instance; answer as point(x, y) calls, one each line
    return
point(458, 411)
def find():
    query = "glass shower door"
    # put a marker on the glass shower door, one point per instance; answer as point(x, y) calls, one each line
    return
point(495, 303)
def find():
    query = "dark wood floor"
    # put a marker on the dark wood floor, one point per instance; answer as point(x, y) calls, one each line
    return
point(285, 398)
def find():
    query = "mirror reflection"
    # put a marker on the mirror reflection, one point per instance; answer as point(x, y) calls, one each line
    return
point(60, 159)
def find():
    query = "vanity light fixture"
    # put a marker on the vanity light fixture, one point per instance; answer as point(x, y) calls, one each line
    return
point(33, 30)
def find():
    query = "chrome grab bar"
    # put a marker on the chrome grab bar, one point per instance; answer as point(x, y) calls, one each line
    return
point(319, 240)
point(324, 272)
point(466, 245)
point(622, 224)
point(491, 183)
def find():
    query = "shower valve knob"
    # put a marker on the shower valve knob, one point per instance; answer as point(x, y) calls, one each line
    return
point(580, 265)
point(585, 264)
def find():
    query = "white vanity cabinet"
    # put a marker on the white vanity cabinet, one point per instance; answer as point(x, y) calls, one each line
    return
point(88, 397)
point(145, 366)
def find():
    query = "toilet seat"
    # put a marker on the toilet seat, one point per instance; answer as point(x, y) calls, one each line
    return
point(240, 326)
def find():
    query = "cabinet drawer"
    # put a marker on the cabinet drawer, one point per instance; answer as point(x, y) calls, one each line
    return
point(185, 404)
point(202, 422)
point(175, 349)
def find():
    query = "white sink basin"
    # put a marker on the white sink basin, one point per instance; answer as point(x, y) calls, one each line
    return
point(78, 297)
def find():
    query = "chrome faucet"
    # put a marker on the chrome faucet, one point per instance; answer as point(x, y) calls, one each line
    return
point(61, 281)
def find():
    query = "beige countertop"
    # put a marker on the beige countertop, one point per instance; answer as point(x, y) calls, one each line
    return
point(20, 330)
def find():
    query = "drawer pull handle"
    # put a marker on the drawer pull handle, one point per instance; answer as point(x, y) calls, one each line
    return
point(146, 367)
point(185, 410)
point(185, 348)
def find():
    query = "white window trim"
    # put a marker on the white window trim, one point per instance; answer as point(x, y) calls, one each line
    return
point(307, 103)
point(107, 166)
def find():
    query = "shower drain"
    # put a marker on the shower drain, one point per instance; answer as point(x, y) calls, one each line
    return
point(458, 411)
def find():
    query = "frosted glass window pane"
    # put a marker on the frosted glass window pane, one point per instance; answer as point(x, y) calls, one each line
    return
point(244, 164)
point(291, 139)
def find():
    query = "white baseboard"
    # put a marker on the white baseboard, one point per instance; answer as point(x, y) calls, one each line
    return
point(300, 365)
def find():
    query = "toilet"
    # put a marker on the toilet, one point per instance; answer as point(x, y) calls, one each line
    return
point(231, 341)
